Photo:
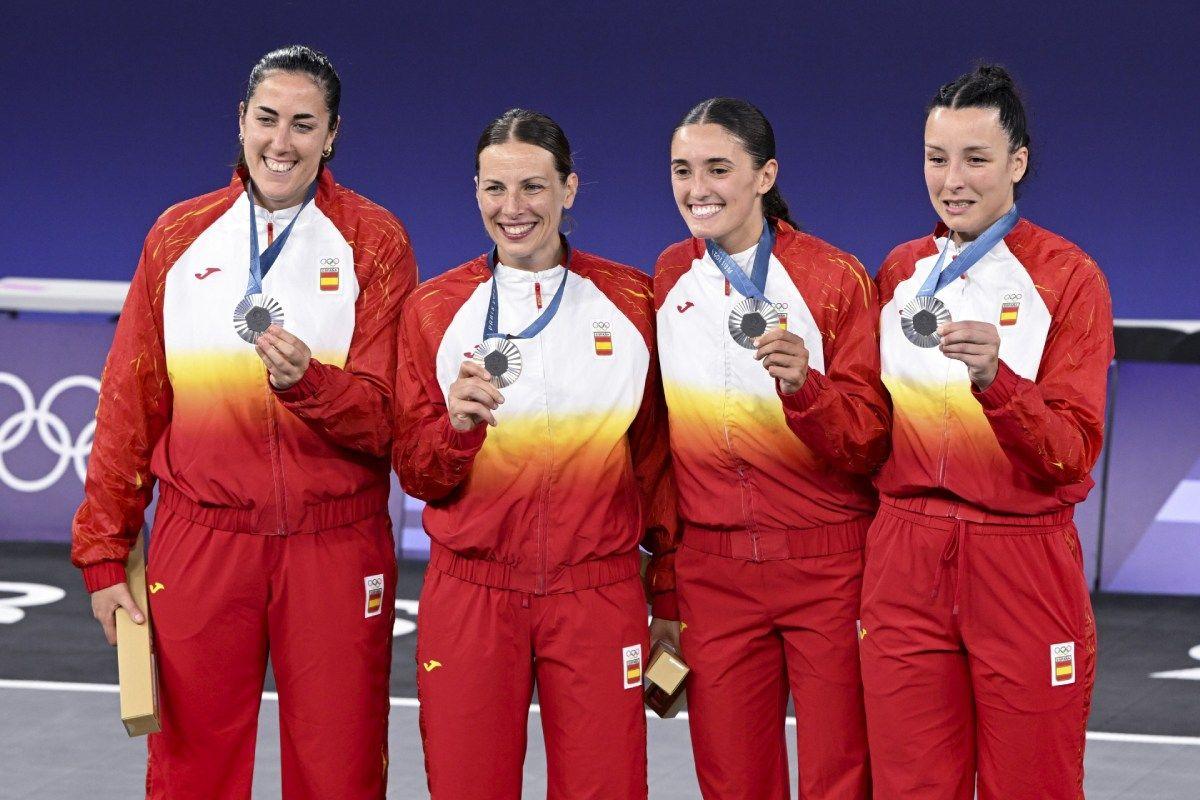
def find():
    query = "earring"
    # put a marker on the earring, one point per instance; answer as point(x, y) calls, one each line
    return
point(327, 152)
point(241, 139)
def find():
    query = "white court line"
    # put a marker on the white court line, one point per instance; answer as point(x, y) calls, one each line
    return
point(411, 702)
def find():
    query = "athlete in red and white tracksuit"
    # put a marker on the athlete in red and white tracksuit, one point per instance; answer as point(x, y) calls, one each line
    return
point(775, 498)
point(535, 525)
point(978, 641)
point(271, 530)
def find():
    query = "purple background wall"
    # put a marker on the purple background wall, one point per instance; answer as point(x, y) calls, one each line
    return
point(115, 111)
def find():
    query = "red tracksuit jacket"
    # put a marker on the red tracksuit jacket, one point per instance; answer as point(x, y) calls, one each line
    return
point(1027, 444)
point(185, 401)
point(576, 469)
point(745, 456)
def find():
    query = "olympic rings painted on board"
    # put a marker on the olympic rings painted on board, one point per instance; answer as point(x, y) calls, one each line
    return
point(51, 429)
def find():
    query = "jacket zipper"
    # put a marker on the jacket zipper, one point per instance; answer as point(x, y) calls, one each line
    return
point(544, 504)
point(276, 462)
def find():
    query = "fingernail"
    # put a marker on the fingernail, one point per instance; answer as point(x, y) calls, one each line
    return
point(138, 618)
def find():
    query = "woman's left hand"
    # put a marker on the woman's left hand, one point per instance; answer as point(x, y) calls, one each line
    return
point(285, 356)
point(976, 344)
point(785, 356)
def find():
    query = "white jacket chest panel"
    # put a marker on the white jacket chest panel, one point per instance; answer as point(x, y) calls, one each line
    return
point(564, 372)
point(998, 281)
point(208, 281)
point(695, 348)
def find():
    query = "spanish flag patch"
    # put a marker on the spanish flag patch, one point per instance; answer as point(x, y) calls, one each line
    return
point(1008, 313)
point(330, 279)
point(602, 337)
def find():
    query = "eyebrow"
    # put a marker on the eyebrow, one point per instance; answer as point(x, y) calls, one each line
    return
point(275, 113)
point(972, 147)
point(713, 160)
point(523, 180)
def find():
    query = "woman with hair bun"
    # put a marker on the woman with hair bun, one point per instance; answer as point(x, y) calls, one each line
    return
point(251, 376)
point(767, 340)
point(532, 425)
point(978, 640)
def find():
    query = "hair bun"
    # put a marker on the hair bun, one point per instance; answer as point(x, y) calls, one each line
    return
point(997, 75)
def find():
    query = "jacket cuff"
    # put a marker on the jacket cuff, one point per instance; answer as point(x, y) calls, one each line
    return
point(306, 388)
point(665, 605)
point(803, 398)
point(1001, 389)
point(103, 575)
point(466, 443)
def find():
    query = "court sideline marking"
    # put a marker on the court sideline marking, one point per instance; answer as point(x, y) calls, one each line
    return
point(411, 702)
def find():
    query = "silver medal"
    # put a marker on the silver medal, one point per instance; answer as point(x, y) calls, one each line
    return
point(750, 319)
point(254, 314)
point(921, 318)
point(501, 358)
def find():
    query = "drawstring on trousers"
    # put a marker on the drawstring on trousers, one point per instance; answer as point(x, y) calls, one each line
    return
point(956, 544)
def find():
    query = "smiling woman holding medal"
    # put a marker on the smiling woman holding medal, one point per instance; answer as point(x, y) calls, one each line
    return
point(251, 375)
point(978, 640)
point(767, 341)
point(532, 424)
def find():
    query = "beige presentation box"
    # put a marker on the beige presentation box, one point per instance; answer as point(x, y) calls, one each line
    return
point(135, 655)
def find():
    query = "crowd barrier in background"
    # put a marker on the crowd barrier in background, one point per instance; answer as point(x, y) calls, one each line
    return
point(1140, 528)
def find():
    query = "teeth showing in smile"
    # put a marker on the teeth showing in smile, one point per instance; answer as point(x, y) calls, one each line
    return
point(278, 166)
point(518, 230)
point(705, 211)
point(958, 203)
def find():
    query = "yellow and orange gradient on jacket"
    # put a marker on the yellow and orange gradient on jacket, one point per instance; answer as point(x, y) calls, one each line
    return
point(746, 457)
point(575, 469)
point(184, 399)
point(1025, 445)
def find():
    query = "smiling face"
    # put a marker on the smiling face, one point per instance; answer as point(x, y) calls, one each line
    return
point(717, 189)
point(969, 171)
point(521, 198)
point(285, 127)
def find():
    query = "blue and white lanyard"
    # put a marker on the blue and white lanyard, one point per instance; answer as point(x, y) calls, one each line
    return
point(260, 264)
point(754, 284)
point(938, 280)
point(491, 323)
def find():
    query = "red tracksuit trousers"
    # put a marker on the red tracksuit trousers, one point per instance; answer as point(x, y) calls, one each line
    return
point(978, 654)
point(484, 640)
point(220, 601)
point(766, 612)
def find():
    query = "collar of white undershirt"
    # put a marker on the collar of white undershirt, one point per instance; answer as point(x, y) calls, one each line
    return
point(745, 259)
point(281, 217)
point(512, 275)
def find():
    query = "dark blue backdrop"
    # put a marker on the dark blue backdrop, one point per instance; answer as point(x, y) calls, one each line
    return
point(111, 115)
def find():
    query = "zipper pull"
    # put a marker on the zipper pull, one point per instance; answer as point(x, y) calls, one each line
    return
point(727, 287)
point(537, 293)
point(270, 232)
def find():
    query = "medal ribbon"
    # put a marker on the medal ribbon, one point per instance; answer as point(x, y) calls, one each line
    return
point(976, 250)
point(261, 263)
point(491, 323)
point(754, 284)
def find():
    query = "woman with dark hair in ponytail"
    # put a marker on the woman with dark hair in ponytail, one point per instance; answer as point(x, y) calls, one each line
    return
point(768, 347)
point(532, 424)
point(251, 376)
point(978, 641)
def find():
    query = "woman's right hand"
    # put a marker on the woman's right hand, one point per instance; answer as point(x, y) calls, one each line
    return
point(472, 398)
point(105, 603)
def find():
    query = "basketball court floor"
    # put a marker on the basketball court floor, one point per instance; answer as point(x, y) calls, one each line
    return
point(61, 737)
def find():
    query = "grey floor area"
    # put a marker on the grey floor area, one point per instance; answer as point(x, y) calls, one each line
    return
point(37, 726)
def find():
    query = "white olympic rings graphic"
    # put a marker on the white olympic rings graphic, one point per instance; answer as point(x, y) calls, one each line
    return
point(50, 427)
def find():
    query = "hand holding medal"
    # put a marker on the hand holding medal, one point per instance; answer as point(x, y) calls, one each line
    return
point(285, 356)
point(976, 344)
point(472, 398)
point(785, 356)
